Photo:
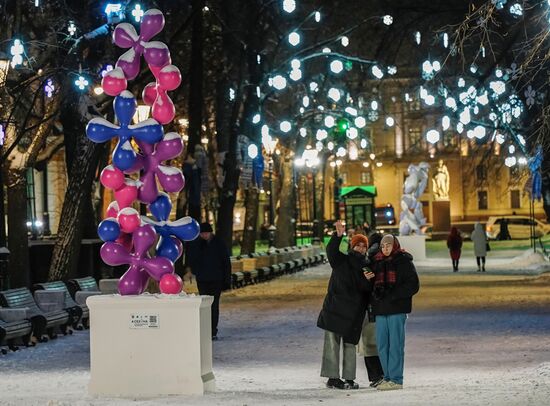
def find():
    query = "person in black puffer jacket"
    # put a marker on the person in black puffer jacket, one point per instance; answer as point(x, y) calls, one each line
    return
point(344, 308)
point(395, 283)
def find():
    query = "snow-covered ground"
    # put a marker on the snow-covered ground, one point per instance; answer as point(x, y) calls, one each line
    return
point(270, 349)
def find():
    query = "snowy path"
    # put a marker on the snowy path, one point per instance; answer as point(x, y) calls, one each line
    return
point(269, 354)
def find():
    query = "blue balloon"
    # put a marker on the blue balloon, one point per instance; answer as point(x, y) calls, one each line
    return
point(186, 229)
point(161, 207)
point(125, 107)
point(124, 155)
point(108, 230)
point(168, 248)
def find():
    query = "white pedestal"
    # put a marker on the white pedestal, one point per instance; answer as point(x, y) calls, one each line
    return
point(415, 245)
point(150, 345)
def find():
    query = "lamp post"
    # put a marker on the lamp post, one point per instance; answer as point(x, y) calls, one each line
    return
point(270, 144)
point(311, 160)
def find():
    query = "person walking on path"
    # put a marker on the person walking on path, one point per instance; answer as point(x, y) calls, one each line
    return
point(395, 283)
point(479, 239)
point(367, 344)
point(209, 260)
point(344, 308)
point(454, 243)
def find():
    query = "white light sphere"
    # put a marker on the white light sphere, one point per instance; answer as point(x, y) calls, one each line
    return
point(329, 121)
point(285, 126)
point(363, 143)
point(345, 41)
point(294, 38)
point(295, 75)
point(510, 161)
point(334, 94)
point(352, 133)
point(295, 64)
point(303, 132)
point(256, 119)
point(321, 134)
point(479, 132)
point(390, 121)
point(252, 151)
point(377, 72)
point(289, 5)
point(330, 145)
point(445, 123)
point(279, 82)
point(429, 100)
point(336, 66)
point(305, 101)
point(387, 19)
point(432, 136)
point(360, 122)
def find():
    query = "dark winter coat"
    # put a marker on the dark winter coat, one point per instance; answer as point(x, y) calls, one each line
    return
point(454, 243)
point(397, 298)
point(209, 261)
point(346, 301)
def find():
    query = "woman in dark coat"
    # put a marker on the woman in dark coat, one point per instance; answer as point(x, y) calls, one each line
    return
point(344, 308)
point(454, 243)
point(395, 283)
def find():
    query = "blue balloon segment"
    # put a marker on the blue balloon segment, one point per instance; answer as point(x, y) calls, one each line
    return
point(167, 248)
point(124, 156)
point(100, 130)
point(108, 230)
point(148, 131)
point(186, 232)
point(125, 107)
point(161, 207)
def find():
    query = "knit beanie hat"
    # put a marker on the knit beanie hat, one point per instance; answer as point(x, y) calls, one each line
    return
point(357, 238)
point(387, 239)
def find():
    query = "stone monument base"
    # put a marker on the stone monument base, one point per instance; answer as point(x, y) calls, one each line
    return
point(150, 345)
point(415, 245)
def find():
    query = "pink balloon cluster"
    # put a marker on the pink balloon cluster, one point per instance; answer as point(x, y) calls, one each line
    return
point(129, 238)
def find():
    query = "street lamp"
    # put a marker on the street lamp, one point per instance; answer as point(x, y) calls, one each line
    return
point(311, 160)
point(142, 113)
point(270, 144)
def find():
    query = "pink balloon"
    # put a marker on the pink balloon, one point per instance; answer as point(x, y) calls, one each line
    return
point(112, 210)
point(149, 94)
point(169, 77)
point(114, 82)
point(170, 284)
point(129, 220)
point(163, 109)
point(111, 177)
point(127, 194)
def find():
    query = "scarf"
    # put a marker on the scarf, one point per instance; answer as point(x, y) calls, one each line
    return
point(386, 275)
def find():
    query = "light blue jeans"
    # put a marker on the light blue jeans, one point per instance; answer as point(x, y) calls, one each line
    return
point(390, 340)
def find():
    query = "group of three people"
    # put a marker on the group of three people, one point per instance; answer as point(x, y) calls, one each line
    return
point(368, 298)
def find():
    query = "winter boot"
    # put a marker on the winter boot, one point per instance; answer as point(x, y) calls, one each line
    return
point(375, 384)
point(335, 383)
point(351, 384)
point(389, 385)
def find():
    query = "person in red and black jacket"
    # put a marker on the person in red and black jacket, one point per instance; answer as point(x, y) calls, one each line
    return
point(454, 243)
point(395, 283)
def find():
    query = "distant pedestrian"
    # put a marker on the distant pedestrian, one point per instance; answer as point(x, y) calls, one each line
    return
point(504, 233)
point(208, 258)
point(344, 308)
point(479, 238)
point(454, 243)
point(395, 283)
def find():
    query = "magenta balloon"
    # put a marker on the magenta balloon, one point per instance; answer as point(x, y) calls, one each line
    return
point(169, 147)
point(152, 23)
point(129, 219)
point(170, 178)
point(156, 53)
point(112, 210)
point(133, 282)
point(114, 254)
point(129, 62)
point(156, 267)
point(125, 35)
point(149, 94)
point(148, 191)
point(143, 238)
point(170, 284)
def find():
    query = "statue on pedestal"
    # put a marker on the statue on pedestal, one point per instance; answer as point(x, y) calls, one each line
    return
point(412, 218)
point(440, 181)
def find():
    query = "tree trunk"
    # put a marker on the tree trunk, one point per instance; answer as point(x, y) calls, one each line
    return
point(286, 216)
point(250, 221)
point(18, 240)
point(77, 203)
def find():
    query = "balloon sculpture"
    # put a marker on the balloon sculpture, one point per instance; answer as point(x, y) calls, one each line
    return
point(128, 237)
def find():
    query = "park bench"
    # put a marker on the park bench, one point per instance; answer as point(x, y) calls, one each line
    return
point(14, 325)
point(43, 320)
point(237, 280)
point(80, 289)
point(75, 311)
